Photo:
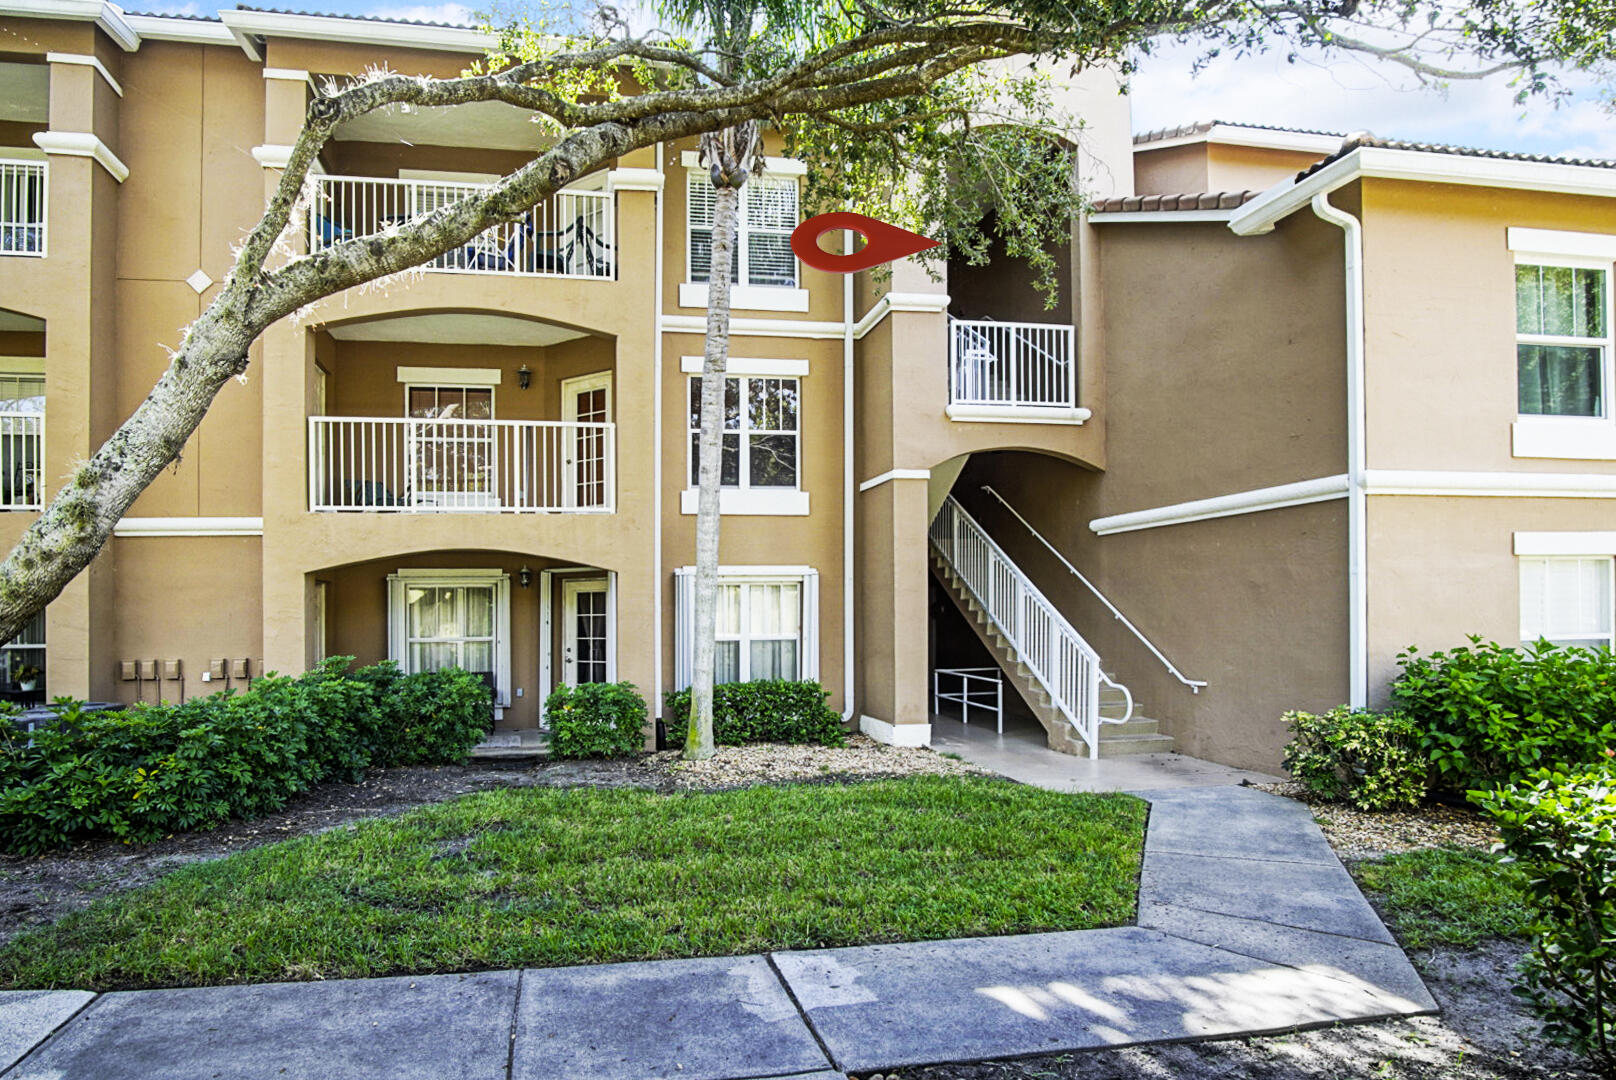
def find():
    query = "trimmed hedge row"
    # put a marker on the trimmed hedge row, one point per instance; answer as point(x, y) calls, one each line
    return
point(151, 770)
point(769, 710)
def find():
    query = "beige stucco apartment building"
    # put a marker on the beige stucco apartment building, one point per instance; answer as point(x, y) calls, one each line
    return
point(1268, 437)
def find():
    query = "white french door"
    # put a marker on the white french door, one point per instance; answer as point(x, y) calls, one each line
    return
point(585, 631)
point(451, 456)
point(587, 400)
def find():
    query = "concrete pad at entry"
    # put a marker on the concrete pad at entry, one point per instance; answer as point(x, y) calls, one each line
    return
point(724, 1018)
point(885, 1006)
point(422, 1028)
point(1383, 967)
point(1236, 822)
point(28, 1016)
point(1306, 895)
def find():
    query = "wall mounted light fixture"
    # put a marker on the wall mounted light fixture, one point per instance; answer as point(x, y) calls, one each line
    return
point(525, 576)
point(524, 376)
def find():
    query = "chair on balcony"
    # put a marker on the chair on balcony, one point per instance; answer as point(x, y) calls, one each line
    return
point(566, 247)
point(482, 254)
point(330, 232)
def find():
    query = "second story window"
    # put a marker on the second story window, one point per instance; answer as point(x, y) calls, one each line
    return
point(768, 213)
point(760, 432)
point(1562, 339)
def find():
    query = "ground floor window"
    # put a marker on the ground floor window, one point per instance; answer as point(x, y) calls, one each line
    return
point(440, 619)
point(1568, 600)
point(766, 627)
point(23, 660)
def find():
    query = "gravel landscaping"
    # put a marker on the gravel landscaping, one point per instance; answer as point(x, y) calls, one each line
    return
point(861, 758)
point(1360, 834)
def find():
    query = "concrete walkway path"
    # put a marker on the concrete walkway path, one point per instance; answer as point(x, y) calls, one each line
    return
point(1247, 924)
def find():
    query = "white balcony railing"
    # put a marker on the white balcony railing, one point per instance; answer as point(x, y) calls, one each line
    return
point(1014, 364)
point(22, 207)
point(22, 456)
point(406, 465)
point(572, 234)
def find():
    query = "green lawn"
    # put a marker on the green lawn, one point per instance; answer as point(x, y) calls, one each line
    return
point(1447, 896)
point(538, 877)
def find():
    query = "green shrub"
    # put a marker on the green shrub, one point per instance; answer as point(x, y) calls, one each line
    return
point(1371, 760)
point(1492, 714)
point(595, 720)
point(1561, 830)
point(769, 710)
point(145, 772)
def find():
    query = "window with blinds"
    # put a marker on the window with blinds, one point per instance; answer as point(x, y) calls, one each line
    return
point(768, 213)
point(1567, 600)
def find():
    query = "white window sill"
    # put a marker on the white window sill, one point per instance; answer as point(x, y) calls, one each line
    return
point(1017, 414)
point(758, 502)
point(1569, 437)
point(747, 297)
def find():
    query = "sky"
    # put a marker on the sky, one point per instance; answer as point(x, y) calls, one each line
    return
point(1336, 93)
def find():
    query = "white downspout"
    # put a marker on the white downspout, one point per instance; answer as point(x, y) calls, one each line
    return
point(847, 486)
point(656, 456)
point(1357, 532)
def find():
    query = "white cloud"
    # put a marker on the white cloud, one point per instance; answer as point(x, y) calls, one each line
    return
point(453, 13)
point(1350, 93)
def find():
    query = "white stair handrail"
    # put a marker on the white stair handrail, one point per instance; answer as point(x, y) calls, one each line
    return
point(1194, 684)
point(1060, 659)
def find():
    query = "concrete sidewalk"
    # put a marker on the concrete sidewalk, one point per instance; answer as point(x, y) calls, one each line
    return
point(1247, 924)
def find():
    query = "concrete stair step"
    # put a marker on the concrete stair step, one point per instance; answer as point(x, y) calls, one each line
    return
point(1126, 745)
point(1138, 725)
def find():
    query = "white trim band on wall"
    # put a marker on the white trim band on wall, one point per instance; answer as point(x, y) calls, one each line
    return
point(895, 474)
point(1490, 484)
point(189, 526)
point(82, 144)
point(451, 376)
point(88, 61)
point(1553, 242)
point(794, 328)
point(1565, 543)
point(751, 366)
point(1241, 502)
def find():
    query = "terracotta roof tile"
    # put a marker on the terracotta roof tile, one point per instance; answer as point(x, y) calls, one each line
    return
point(356, 18)
point(1209, 200)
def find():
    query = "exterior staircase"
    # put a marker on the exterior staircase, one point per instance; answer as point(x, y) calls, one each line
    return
point(1115, 731)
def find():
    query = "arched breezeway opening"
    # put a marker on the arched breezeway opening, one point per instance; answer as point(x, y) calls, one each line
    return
point(526, 622)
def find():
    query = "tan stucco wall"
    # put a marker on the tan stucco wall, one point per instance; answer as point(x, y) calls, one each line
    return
point(1439, 304)
point(1172, 170)
point(1215, 166)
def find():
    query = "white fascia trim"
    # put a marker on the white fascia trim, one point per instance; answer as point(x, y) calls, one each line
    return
point(107, 16)
point(189, 31)
point(1565, 543)
point(1550, 243)
point(1281, 200)
point(87, 61)
point(457, 376)
point(1323, 489)
point(751, 502)
point(772, 166)
point(1235, 135)
point(357, 31)
point(189, 526)
point(82, 144)
point(1490, 484)
point(1573, 438)
point(792, 328)
point(287, 74)
point(895, 734)
point(741, 365)
point(1018, 414)
point(890, 302)
point(1122, 217)
point(693, 294)
point(634, 180)
point(895, 474)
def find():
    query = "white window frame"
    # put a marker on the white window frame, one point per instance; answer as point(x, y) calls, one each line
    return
point(1545, 435)
point(684, 590)
point(743, 294)
point(1608, 639)
point(19, 646)
point(744, 498)
point(398, 585)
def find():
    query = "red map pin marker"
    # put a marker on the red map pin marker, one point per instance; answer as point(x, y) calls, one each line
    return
point(882, 242)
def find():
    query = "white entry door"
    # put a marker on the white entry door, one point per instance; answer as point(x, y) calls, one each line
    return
point(586, 400)
point(585, 631)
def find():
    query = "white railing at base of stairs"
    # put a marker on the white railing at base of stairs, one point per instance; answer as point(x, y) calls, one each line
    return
point(1065, 665)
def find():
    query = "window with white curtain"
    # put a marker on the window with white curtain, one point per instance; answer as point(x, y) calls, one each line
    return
point(1568, 600)
point(444, 619)
point(767, 624)
point(766, 217)
point(1562, 339)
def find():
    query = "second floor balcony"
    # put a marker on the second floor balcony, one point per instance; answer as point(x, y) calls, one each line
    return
point(572, 234)
point(22, 207)
point(436, 465)
point(22, 457)
point(1011, 370)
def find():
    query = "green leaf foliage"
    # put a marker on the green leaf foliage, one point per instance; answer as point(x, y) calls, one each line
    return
point(1491, 714)
point(1560, 828)
point(765, 711)
point(596, 720)
point(1372, 760)
point(151, 770)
